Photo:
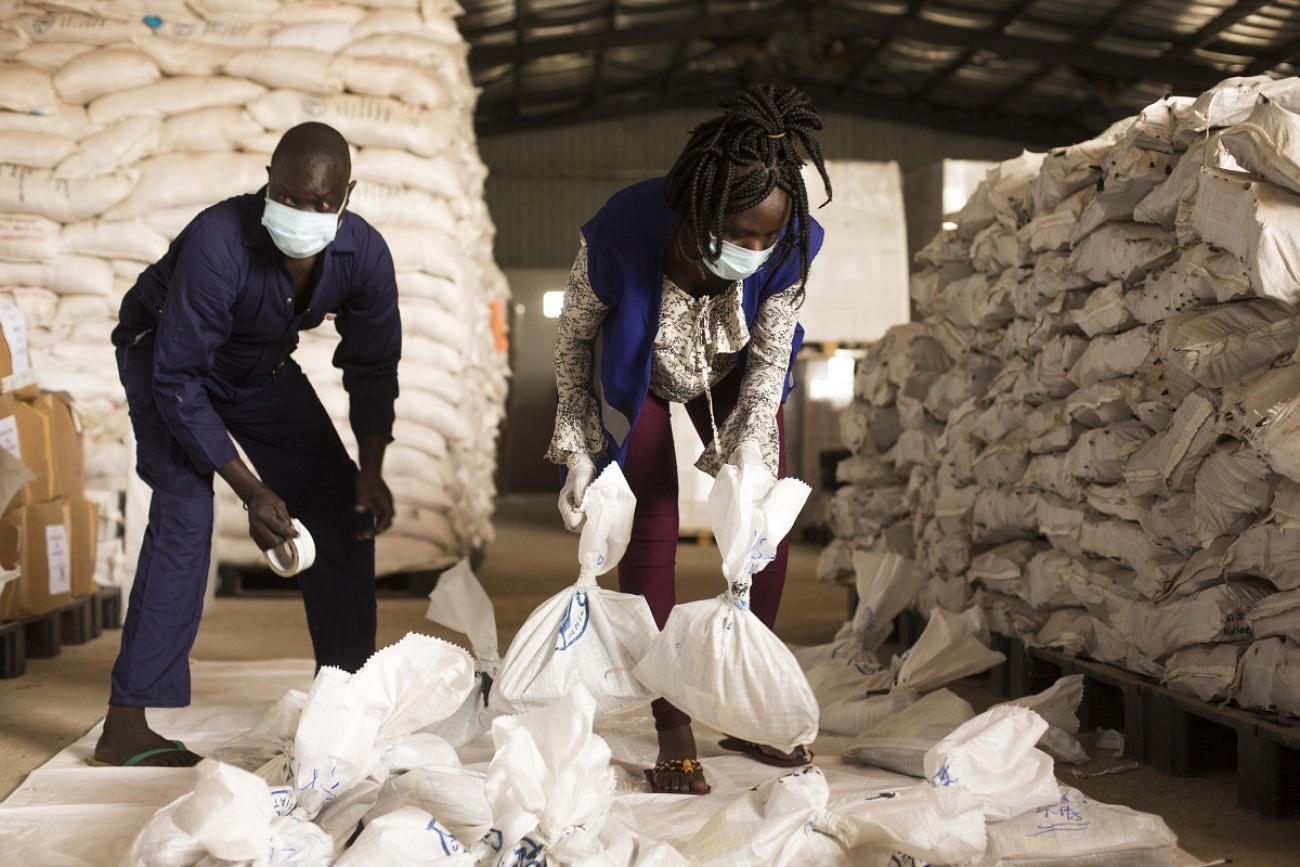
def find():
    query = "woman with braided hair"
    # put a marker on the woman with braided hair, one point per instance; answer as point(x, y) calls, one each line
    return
point(687, 289)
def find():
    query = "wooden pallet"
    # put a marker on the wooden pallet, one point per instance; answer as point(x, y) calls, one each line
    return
point(1177, 734)
point(44, 636)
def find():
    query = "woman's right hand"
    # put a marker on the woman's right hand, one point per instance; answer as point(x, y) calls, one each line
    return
point(581, 471)
point(269, 522)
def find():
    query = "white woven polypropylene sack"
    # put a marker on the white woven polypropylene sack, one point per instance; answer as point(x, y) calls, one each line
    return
point(886, 584)
point(767, 826)
point(548, 782)
point(170, 96)
point(363, 120)
point(27, 90)
point(951, 646)
point(1076, 830)
point(96, 73)
point(1058, 705)
point(37, 191)
point(1256, 221)
point(302, 69)
point(349, 719)
point(585, 634)
point(993, 756)
point(1207, 671)
point(715, 659)
point(409, 837)
point(189, 179)
point(1270, 676)
point(35, 150)
point(455, 794)
point(900, 742)
point(458, 601)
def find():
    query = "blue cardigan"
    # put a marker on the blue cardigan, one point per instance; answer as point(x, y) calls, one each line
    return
point(626, 240)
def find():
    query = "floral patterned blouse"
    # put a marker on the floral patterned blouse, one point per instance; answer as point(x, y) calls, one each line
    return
point(695, 347)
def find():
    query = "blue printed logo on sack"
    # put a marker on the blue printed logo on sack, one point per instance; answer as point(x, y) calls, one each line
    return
point(575, 621)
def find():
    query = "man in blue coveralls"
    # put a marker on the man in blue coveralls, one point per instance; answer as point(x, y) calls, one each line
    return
point(204, 345)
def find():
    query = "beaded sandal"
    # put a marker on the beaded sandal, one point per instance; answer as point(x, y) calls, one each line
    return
point(689, 767)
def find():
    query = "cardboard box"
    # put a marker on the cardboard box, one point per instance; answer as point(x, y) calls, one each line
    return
point(84, 527)
point(66, 445)
point(16, 374)
point(41, 535)
point(25, 433)
point(8, 561)
point(6, 360)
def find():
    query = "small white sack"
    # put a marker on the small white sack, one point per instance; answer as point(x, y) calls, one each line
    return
point(922, 823)
point(458, 601)
point(951, 646)
point(550, 779)
point(886, 584)
point(778, 824)
point(229, 813)
point(456, 795)
point(409, 837)
point(585, 634)
point(714, 658)
point(994, 758)
point(1059, 706)
point(349, 719)
point(901, 742)
point(1075, 830)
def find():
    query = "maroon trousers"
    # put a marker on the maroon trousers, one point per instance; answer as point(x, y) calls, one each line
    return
point(649, 566)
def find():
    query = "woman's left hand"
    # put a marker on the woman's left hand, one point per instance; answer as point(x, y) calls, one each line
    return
point(748, 456)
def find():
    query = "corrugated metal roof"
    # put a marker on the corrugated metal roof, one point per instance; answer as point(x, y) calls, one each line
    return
point(1042, 71)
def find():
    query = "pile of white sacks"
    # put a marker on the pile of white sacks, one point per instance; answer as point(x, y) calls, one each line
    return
point(404, 765)
point(1092, 435)
point(119, 121)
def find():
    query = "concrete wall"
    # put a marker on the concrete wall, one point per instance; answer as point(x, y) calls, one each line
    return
point(543, 185)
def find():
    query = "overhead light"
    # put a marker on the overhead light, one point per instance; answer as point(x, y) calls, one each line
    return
point(552, 304)
point(949, 225)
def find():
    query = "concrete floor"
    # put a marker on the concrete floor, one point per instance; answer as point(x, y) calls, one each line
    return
point(59, 699)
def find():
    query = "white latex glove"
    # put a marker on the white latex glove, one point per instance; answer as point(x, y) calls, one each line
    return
point(748, 456)
point(581, 472)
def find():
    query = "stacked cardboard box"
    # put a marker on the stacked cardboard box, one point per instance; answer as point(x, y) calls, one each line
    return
point(48, 532)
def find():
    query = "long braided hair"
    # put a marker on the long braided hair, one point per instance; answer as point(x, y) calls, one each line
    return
point(734, 161)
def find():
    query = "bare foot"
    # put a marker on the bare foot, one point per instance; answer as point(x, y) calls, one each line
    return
point(127, 734)
point(679, 743)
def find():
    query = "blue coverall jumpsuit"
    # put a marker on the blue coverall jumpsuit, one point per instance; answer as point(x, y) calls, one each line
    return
point(203, 349)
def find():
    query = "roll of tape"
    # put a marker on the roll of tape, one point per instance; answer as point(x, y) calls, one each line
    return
point(294, 556)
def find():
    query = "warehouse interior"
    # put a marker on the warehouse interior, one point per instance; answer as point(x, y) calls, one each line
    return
point(1039, 490)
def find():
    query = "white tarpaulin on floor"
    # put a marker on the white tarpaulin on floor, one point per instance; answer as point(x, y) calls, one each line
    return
point(68, 813)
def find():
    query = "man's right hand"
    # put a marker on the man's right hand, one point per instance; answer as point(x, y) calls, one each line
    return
point(269, 522)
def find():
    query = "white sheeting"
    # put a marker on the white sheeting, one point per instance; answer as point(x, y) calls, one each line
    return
point(68, 813)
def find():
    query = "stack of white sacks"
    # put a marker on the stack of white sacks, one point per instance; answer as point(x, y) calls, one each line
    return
point(116, 131)
point(1092, 433)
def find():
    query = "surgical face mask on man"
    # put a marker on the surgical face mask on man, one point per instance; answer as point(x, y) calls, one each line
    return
point(735, 262)
point(299, 234)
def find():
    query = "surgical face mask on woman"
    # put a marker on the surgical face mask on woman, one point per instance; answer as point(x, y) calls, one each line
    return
point(299, 234)
point(735, 262)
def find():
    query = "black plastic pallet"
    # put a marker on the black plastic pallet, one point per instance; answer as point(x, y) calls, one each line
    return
point(1177, 734)
point(44, 636)
point(264, 584)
